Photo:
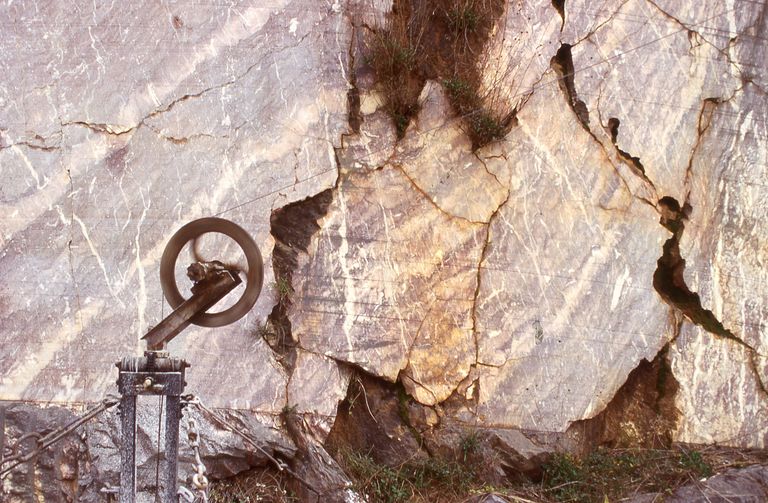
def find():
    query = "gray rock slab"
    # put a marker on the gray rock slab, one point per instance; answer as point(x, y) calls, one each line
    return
point(721, 395)
point(737, 485)
point(620, 62)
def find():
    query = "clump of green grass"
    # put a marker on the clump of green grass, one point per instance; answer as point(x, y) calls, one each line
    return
point(486, 127)
point(461, 91)
point(608, 474)
point(694, 461)
point(283, 289)
point(409, 481)
point(395, 53)
point(433, 39)
point(469, 445)
point(463, 17)
point(485, 124)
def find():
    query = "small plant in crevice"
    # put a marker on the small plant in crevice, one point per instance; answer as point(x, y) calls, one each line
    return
point(283, 289)
point(394, 53)
point(470, 445)
point(461, 93)
point(267, 332)
point(438, 39)
point(289, 410)
point(485, 127)
point(484, 124)
point(463, 17)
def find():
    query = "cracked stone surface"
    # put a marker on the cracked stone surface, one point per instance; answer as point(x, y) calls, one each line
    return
point(112, 136)
point(520, 276)
point(560, 290)
point(638, 37)
point(365, 294)
point(316, 386)
point(718, 380)
point(725, 242)
point(440, 162)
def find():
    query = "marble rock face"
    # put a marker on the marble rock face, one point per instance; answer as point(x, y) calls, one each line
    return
point(518, 277)
point(699, 128)
point(619, 107)
point(120, 123)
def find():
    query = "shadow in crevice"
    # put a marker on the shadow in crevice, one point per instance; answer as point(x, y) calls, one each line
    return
point(669, 279)
point(292, 226)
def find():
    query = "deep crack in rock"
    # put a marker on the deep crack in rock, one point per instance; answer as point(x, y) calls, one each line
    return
point(562, 64)
point(354, 116)
point(292, 226)
point(669, 278)
point(559, 6)
point(613, 127)
point(374, 418)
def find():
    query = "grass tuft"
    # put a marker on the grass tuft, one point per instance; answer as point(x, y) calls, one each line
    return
point(606, 474)
point(439, 39)
point(395, 53)
point(485, 124)
point(602, 475)
point(410, 481)
point(283, 289)
point(463, 18)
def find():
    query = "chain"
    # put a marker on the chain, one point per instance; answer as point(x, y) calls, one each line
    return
point(221, 421)
point(18, 456)
point(249, 439)
point(199, 480)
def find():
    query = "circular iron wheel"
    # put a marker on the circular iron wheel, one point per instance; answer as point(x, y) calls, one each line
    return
point(253, 278)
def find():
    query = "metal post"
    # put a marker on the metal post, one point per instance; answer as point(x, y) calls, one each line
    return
point(172, 418)
point(128, 449)
point(154, 374)
point(2, 432)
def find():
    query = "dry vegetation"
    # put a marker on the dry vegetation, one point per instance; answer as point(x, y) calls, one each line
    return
point(442, 40)
point(256, 485)
point(605, 474)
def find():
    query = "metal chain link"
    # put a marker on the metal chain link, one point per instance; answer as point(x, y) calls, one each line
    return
point(18, 456)
point(217, 418)
point(199, 480)
point(241, 432)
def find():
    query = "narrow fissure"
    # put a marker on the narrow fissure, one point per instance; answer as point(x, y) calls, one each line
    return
point(559, 6)
point(354, 116)
point(669, 279)
point(562, 64)
point(479, 277)
point(613, 127)
point(71, 223)
point(292, 227)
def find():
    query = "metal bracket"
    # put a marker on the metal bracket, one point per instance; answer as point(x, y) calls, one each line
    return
point(206, 292)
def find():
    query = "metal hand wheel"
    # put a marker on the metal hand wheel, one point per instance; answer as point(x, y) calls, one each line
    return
point(254, 277)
